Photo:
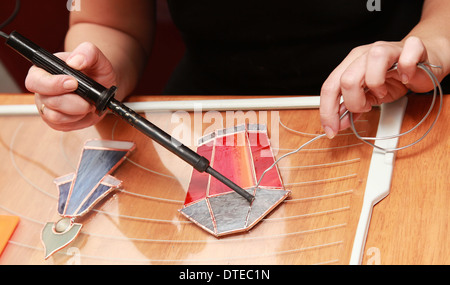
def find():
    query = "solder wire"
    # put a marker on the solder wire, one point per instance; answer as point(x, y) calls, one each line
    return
point(287, 154)
point(294, 151)
point(436, 88)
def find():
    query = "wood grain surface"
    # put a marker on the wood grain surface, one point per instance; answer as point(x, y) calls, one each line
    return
point(140, 223)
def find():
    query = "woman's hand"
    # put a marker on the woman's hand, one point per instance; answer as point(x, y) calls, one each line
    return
point(363, 80)
point(60, 108)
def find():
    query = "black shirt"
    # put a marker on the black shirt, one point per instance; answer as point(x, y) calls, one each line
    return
point(277, 47)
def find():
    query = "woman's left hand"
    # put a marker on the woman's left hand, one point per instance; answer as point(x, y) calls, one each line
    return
point(364, 79)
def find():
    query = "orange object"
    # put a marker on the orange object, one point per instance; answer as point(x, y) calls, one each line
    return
point(7, 226)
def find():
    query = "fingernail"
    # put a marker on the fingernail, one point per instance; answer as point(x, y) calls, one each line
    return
point(367, 108)
point(77, 61)
point(383, 93)
point(329, 132)
point(70, 84)
point(405, 79)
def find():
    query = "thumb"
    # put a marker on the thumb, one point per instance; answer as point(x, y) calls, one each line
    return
point(78, 58)
point(413, 52)
point(88, 58)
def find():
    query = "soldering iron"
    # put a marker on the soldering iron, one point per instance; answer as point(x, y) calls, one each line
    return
point(103, 99)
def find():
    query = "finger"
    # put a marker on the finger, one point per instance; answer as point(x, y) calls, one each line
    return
point(54, 117)
point(380, 57)
point(329, 104)
point(330, 94)
point(40, 81)
point(413, 52)
point(75, 124)
point(69, 104)
point(63, 122)
point(352, 86)
point(48, 114)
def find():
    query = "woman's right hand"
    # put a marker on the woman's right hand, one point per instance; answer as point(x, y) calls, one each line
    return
point(59, 106)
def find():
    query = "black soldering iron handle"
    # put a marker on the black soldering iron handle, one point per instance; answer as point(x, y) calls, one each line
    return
point(198, 162)
point(102, 98)
point(89, 89)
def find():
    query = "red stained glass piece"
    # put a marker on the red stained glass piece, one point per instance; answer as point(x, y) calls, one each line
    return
point(198, 186)
point(242, 157)
point(232, 159)
point(263, 159)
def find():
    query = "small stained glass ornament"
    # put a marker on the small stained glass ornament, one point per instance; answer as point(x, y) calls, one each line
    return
point(79, 192)
point(242, 154)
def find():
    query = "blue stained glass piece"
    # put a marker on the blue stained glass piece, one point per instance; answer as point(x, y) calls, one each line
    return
point(63, 193)
point(101, 189)
point(94, 165)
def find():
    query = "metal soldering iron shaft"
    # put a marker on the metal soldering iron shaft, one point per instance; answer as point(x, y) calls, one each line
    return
point(230, 184)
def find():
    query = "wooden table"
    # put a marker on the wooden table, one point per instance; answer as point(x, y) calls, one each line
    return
point(140, 223)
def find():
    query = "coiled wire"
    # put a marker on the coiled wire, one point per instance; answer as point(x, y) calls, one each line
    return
point(436, 89)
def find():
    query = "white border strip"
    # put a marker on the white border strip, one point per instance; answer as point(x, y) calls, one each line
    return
point(275, 103)
point(380, 172)
point(18, 110)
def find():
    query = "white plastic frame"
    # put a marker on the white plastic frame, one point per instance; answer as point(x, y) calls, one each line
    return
point(380, 172)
